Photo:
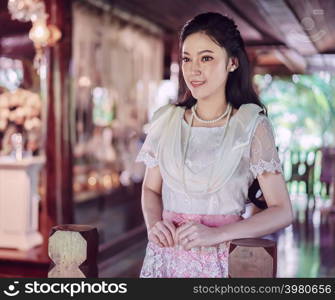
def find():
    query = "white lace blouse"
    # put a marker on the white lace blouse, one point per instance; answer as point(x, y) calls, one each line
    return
point(258, 157)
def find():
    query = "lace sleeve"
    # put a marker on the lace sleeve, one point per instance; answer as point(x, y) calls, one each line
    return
point(263, 153)
point(148, 152)
point(148, 157)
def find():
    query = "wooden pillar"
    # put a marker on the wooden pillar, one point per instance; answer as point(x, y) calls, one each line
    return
point(57, 207)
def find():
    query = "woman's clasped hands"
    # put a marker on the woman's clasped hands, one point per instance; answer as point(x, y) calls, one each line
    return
point(162, 233)
point(190, 234)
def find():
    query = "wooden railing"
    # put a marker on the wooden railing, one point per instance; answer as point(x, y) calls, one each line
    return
point(73, 250)
point(254, 257)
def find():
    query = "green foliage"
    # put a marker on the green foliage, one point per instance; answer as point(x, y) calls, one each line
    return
point(303, 104)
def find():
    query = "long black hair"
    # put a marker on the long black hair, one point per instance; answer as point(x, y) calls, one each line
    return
point(239, 89)
point(223, 31)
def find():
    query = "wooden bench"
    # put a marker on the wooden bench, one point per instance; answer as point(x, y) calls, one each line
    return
point(73, 250)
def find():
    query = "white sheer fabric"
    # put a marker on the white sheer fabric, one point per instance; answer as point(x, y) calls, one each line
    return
point(257, 157)
point(264, 156)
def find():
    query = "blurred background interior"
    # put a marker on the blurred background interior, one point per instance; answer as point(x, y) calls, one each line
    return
point(80, 79)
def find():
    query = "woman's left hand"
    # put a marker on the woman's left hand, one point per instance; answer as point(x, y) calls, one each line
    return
point(192, 234)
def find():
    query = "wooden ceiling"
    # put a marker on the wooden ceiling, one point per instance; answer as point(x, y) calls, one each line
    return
point(281, 36)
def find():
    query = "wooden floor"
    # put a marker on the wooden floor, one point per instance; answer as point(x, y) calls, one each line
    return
point(305, 249)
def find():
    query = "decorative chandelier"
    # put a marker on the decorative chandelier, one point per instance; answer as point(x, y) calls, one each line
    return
point(42, 34)
point(26, 10)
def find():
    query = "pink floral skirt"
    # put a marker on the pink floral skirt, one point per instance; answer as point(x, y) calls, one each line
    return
point(175, 262)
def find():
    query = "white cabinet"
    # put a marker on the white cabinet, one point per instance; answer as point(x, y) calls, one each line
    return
point(19, 202)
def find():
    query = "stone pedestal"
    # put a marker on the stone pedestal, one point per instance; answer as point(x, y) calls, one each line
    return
point(19, 201)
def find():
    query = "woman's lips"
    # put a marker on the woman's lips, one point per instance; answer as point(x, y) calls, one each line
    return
point(195, 83)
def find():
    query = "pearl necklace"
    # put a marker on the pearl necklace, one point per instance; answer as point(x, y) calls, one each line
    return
point(210, 121)
point(228, 111)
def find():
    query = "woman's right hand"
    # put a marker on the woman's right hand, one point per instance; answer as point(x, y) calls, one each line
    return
point(162, 233)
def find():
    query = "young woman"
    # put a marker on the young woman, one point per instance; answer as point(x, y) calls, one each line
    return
point(202, 156)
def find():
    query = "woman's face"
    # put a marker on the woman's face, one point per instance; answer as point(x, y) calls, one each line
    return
point(205, 66)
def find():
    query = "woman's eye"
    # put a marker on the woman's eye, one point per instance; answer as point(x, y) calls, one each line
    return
point(185, 59)
point(206, 58)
